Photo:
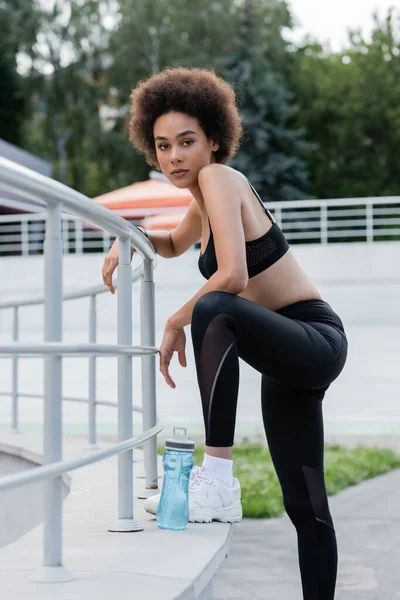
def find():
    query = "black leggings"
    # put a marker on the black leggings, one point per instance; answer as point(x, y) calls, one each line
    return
point(299, 350)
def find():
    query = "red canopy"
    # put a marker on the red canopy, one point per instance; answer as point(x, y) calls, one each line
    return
point(145, 198)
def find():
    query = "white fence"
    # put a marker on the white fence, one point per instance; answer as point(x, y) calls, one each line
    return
point(344, 220)
point(303, 221)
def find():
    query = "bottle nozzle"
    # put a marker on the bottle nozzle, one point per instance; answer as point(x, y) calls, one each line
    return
point(179, 440)
point(179, 433)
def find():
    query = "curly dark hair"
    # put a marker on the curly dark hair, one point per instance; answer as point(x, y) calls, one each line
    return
point(197, 92)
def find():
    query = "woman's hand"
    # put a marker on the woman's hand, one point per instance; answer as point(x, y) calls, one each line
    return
point(110, 264)
point(174, 340)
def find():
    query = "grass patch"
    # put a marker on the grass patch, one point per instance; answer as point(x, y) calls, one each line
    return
point(261, 492)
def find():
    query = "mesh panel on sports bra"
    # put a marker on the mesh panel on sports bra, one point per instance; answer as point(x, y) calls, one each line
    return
point(264, 248)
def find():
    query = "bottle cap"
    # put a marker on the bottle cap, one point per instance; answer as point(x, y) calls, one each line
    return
point(179, 441)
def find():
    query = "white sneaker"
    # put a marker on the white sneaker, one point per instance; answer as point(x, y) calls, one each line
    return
point(151, 503)
point(209, 499)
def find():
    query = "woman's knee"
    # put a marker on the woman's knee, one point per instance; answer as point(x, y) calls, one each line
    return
point(210, 304)
point(211, 314)
point(308, 500)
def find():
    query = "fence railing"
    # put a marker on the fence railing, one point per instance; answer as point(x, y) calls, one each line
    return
point(57, 196)
point(302, 221)
point(343, 219)
point(24, 235)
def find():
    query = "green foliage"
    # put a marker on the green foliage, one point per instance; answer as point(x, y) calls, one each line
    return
point(153, 35)
point(349, 105)
point(271, 153)
point(64, 94)
point(19, 25)
point(261, 492)
point(306, 110)
point(12, 103)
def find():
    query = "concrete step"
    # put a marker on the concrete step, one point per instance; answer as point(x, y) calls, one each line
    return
point(153, 563)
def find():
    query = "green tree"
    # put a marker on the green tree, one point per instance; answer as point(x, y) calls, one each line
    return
point(66, 83)
point(19, 22)
point(349, 105)
point(18, 27)
point(150, 36)
point(12, 104)
point(271, 154)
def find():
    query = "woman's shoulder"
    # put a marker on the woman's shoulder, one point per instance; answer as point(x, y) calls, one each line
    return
point(218, 172)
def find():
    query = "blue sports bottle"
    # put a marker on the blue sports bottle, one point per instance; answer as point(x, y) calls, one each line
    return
point(173, 508)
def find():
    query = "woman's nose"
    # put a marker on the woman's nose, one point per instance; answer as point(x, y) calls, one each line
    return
point(175, 154)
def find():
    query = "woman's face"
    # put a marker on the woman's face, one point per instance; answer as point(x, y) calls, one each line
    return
point(181, 144)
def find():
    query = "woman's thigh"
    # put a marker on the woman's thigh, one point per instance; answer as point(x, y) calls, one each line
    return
point(285, 349)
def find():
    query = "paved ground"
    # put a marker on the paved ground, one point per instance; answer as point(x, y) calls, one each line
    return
point(263, 560)
point(263, 564)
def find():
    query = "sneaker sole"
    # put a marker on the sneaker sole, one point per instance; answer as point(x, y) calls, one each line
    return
point(233, 514)
point(227, 516)
point(151, 510)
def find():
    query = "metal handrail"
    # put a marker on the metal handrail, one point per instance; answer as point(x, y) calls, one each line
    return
point(34, 185)
point(72, 399)
point(93, 290)
point(58, 468)
point(58, 196)
point(60, 349)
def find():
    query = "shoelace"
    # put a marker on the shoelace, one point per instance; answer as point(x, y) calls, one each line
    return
point(197, 477)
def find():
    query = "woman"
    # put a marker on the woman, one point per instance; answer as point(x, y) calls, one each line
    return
point(257, 304)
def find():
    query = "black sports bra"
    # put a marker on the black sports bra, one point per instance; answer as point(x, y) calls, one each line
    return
point(260, 253)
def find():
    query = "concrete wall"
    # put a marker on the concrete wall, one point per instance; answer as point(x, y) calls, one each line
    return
point(25, 158)
point(21, 509)
point(361, 281)
point(11, 201)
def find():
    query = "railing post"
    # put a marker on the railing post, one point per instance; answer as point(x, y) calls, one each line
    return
point(65, 235)
point(324, 224)
point(24, 238)
point(78, 237)
point(370, 222)
point(53, 570)
point(126, 521)
point(92, 373)
point(14, 427)
point(148, 338)
point(106, 241)
point(278, 217)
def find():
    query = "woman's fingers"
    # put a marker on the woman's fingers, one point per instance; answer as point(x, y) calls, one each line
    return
point(165, 359)
point(182, 358)
point(107, 272)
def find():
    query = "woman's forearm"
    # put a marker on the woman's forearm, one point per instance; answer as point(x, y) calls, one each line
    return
point(162, 242)
point(217, 282)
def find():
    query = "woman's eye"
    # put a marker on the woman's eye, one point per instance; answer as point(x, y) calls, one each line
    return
point(162, 146)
